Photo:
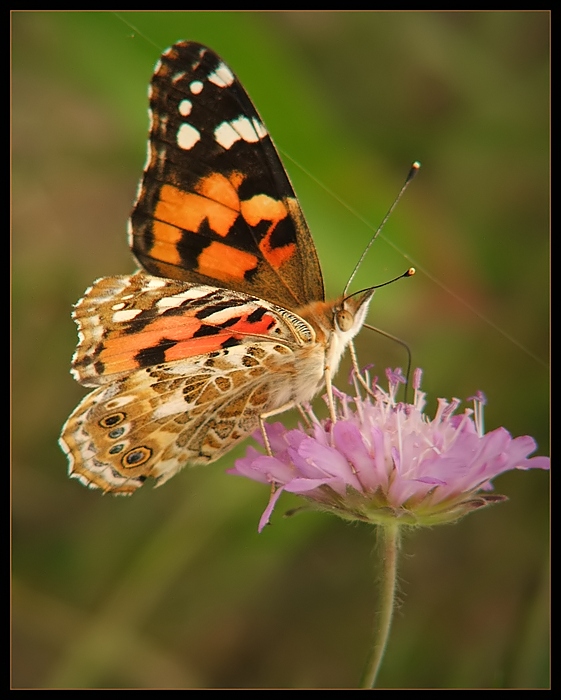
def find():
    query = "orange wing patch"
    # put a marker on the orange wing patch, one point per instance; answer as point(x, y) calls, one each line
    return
point(187, 211)
point(217, 203)
point(259, 208)
point(224, 262)
point(167, 339)
point(223, 190)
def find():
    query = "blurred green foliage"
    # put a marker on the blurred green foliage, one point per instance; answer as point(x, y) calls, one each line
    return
point(173, 587)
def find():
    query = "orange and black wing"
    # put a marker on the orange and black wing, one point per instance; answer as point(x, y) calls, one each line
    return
point(215, 205)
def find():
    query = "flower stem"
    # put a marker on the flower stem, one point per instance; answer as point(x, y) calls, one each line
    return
point(390, 546)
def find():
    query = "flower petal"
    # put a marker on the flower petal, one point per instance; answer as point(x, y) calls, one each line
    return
point(382, 458)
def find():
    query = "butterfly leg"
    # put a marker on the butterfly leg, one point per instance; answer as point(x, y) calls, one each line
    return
point(263, 417)
point(265, 436)
point(356, 369)
point(329, 392)
point(304, 415)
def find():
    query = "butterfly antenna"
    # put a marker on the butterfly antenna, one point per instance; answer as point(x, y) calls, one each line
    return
point(407, 349)
point(408, 273)
point(410, 175)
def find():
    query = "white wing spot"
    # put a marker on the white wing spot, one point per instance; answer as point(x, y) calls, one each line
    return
point(222, 76)
point(246, 130)
point(185, 107)
point(178, 299)
point(187, 136)
point(196, 87)
point(226, 135)
point(155, 283)
point(118, 402)
point(259, 128)
point(127, 315)
point(169, 408)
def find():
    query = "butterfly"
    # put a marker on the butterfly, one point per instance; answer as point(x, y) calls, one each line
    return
point(225, 323)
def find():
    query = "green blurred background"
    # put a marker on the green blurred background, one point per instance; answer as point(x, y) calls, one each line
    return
point(174, 587)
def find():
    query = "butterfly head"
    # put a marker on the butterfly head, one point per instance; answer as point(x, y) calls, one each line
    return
point(350, 312)
point(348, 316)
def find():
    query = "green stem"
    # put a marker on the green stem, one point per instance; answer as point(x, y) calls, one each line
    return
point(390, 546)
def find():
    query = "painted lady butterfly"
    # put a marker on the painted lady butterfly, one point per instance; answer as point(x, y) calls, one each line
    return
point(226, 323)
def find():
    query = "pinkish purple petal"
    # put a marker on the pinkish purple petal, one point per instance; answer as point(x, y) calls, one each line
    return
point(382, 456)
point(349, 441)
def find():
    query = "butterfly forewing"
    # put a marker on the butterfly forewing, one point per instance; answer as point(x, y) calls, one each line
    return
point(132, 322)
point(215, 205)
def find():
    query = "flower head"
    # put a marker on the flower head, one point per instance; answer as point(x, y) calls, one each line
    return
point(383, 459)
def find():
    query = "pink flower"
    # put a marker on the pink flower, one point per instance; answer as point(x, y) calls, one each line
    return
point(385, 460)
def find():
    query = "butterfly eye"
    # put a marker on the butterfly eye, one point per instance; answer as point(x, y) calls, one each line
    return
point(344, 320)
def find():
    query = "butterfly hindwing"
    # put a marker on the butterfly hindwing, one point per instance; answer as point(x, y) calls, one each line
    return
point(153, 422)
point(215, 205)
